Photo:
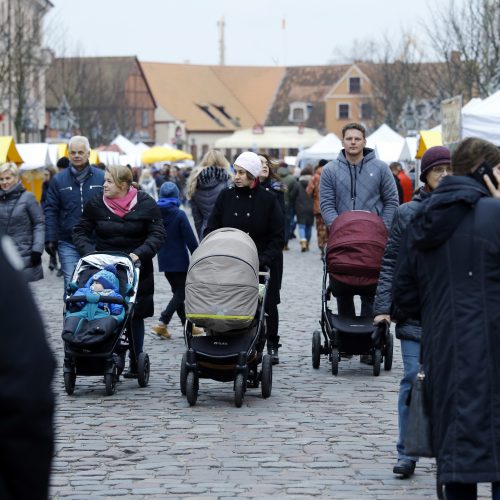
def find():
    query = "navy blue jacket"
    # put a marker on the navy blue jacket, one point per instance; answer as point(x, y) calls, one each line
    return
point(173, 256)
point(447, 274)
point(65, 201)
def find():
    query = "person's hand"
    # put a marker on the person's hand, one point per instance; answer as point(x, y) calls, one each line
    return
point(36, 258)
point(494, 190)
point(51, 247)
point(381, 317)
point(134, 257)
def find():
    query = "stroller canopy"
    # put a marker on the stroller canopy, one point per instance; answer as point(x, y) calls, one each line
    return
point(222, 283)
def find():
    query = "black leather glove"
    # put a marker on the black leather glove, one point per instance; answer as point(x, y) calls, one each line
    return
point(51, 247)
point(36, 258)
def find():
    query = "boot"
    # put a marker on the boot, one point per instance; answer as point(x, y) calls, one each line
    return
point(303, 246)
point(161, 330)
point(272, 350)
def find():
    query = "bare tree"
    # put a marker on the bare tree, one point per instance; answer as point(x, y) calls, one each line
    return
point(22, 62)
point(467, 39)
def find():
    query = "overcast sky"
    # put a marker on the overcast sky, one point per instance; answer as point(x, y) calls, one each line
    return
point(257, 32)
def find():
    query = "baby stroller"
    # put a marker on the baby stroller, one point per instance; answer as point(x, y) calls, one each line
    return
point(347, 336)
point(97, 347)
point(224, 295)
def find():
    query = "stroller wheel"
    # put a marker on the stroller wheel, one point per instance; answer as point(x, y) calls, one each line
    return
point(143, 369)
point(183, 374)
point(110, 380)
point(192, 388)
point(389, 348)
point(239, 390)
point(266, 376)
point(335, 361)
point(377, 360)
point(69, 382)
point(316, 349)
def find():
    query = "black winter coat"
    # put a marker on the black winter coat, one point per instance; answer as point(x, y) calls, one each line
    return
point(304, 204)
point(140, 231)
point(406, 329)
point(257, 213)
point(26, 397)
point(448, 273)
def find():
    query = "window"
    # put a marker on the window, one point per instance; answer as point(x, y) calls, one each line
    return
point(145, 118)
point(299, 111)
point(298, 115)
point(343, 111)
point(354, 85)
point(366, 111)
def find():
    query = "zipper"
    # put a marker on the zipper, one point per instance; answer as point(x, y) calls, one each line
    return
point(66, 188)
point(81, 196)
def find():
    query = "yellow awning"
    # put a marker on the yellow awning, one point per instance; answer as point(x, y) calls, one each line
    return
point(8, 151)
point(62, 150)
point(161, 153)
point(428, 139)
point(94, 157)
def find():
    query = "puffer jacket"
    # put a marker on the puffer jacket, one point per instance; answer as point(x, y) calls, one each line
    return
point(209, 183)
point(406, 329)
point(66, 198)
point(22, 219)
point(367, 186)
point(304, 204)
point(291, 186)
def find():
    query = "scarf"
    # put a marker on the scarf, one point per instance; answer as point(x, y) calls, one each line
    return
point(122, 206)
point(81, 175)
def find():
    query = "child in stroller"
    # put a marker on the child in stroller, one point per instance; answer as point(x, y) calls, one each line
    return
point(98, 308)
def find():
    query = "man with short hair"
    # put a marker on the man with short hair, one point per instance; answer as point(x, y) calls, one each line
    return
point(357, 180)
point(68, 192)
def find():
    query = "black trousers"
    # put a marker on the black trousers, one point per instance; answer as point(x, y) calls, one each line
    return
point(177, 283)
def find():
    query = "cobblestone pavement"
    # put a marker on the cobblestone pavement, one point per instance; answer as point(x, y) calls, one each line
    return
point(317, 436)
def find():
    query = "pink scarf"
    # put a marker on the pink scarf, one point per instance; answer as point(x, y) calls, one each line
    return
point(122, 206)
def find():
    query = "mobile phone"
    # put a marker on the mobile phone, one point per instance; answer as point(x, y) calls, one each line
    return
point(484, 169)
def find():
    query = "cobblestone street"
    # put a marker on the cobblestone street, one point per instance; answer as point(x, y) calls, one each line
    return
point(317, 436)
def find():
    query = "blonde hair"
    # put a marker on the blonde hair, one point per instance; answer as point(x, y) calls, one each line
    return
point(120, 174)
point(212, 158)
point(145, 175)
point(9, 167)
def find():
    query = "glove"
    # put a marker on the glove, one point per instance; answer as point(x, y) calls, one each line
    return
point(36, 258)
point(51, 247)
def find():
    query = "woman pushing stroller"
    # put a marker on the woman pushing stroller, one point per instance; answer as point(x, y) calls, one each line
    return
point(250, 208)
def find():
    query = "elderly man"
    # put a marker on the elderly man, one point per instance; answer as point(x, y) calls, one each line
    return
point(68, 192)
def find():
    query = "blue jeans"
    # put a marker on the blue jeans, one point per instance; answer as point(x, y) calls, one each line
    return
point(410, 352)
point(68, 256)
point(305, 232)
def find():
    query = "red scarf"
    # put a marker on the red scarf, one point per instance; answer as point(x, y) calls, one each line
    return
point(122, 206)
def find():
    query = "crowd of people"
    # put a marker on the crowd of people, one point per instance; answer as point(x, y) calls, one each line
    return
point(438, 279)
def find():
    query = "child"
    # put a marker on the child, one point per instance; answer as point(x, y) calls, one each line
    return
point(173, 257)
point(103, 283)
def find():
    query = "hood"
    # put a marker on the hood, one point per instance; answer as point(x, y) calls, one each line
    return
point(443, 211)
point(107, 278)
point(211, 176)
point(168, 205)
point(304, 179)
point(368, 155)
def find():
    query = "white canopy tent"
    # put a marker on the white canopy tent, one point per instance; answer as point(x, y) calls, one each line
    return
point(481, 118)
point(132, 151)
point(270, 138)
point(35, 155)
point(327, 148)
point(409, 149)
point(387, 143)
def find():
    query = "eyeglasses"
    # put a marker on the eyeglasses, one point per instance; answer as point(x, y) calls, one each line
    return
point(441, 169)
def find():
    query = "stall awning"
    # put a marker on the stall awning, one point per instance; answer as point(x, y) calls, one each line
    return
point(161, 153)
point(428, 139)
point(8, 151)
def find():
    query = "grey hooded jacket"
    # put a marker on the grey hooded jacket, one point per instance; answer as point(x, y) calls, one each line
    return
point(367, 186)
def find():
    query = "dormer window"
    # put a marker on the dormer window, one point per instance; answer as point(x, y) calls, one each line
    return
point(354, 85)
point(299, 112)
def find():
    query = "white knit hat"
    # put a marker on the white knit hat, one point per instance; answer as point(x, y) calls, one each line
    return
point(250, 162)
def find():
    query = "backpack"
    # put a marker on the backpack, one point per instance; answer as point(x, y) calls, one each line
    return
point(355, 247)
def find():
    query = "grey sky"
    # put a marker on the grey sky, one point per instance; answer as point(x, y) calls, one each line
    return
point(186, 30)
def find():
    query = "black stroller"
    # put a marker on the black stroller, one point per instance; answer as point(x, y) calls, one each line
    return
point(224, 296)
point(97, 347)
point(346, 336)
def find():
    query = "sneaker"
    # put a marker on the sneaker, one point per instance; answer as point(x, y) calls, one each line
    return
point(161, 330)
point(273, 352)
point(196, 331)
point(404, 467)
